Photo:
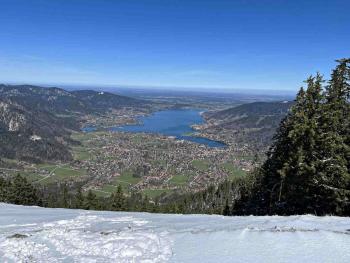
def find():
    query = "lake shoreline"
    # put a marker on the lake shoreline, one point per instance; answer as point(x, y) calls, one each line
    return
point(178, 123)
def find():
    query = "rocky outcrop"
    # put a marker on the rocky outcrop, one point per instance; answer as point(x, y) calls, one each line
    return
point(11, 117)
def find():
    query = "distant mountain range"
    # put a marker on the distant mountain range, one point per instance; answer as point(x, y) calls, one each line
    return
point(36, 122)
point(62, 101)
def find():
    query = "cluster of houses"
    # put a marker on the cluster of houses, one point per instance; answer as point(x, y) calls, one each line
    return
point(155, 160)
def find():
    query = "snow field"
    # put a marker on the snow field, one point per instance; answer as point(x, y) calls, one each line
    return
point(33, 234)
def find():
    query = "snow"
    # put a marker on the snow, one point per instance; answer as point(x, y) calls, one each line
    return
point(33, 234)
point(35, 138)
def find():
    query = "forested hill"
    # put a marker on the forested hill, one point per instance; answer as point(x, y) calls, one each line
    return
point(58, 100)
point(251, 115)
point(307, 168)
point(251, 124)
point(104, 100)
point(35, 122)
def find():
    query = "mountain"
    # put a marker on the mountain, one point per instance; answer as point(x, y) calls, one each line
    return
point(60, 101)
point(34, 234)
point(36, 122)
point(251, 115)
point(251, 123)
point(100, 101)
point(31, 134)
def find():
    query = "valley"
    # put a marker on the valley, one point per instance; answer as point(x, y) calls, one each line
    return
point(157, 148)
point(174, 131)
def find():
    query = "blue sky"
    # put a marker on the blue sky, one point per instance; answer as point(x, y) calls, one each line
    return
point(215, 44)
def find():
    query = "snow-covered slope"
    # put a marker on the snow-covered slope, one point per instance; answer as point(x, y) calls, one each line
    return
point(33, 234)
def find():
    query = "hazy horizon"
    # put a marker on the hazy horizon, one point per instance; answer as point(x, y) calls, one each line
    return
point(159, 89)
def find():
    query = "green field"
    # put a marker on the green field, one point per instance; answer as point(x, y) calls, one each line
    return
point(233, 171)
point(126, 179)
point(46, 173)
point(60, 173)
point(137, 139)
point(81, 153)
point(63, 172)
point(9, 161)
point(189, 134)
point(202, 165)
point(246, 157)
point(46, 166)
point(179, 180)
point(100, 193)
point(152, 193)
point(83, 136)
point(109, 188)
point(31, 176)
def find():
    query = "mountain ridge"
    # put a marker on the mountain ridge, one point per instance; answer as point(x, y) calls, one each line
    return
point(250, 124)
point(36, 122)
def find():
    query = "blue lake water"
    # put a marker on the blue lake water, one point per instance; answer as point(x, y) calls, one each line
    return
point(175, 123)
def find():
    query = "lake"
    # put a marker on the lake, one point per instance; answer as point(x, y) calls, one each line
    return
point(175, 123)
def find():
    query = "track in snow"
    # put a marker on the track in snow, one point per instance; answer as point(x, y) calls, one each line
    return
point(33, 234)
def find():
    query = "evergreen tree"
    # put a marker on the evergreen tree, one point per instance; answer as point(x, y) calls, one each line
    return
point(79, 199)
point(118, 200)
point(334, 153)
point(4, 190)
point(226, 211)
point(65, 202)
point(90, 201)
point(22, 192)
point(307, 169)
point(284, 150)
point(145, 204)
